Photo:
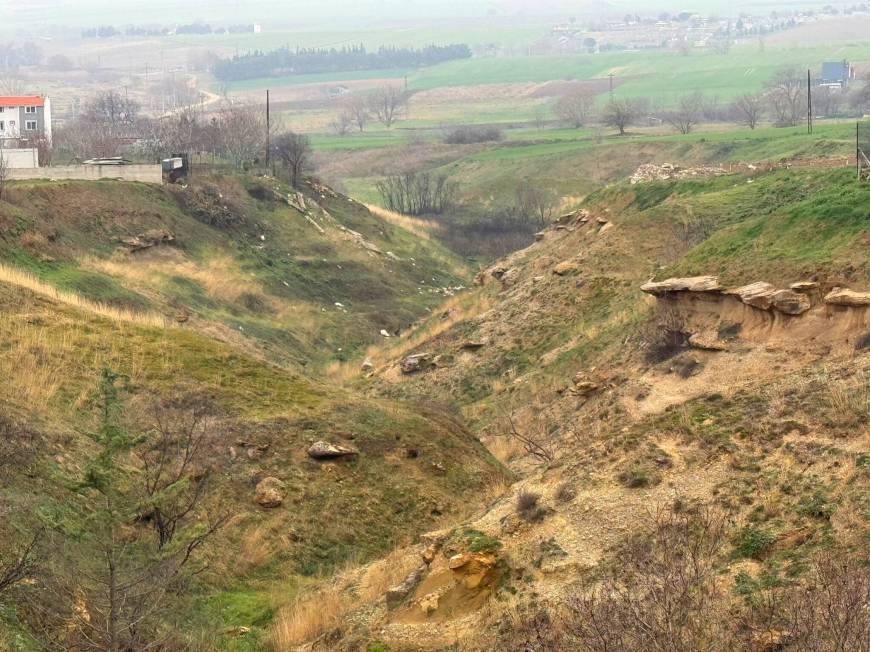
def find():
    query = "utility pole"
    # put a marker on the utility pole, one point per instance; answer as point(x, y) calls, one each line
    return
point(268, 134)
point(809, 103)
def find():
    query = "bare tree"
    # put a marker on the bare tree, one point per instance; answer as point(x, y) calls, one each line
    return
point(686, 114)
point(342, 124)
point(620, 113)
point(294, 152)
point(241, 133)
point(661, 593)
point(386, 103)
point(356, 108)
point(576, 107)
point(749, 109)
point(15, 567)
point(4, 172)
point(786, 95)
point(535, 441)
point(535, 202)
point(417, 193)
point(173, 479)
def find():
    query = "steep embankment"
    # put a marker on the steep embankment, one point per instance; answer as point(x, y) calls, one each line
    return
point(642, 422)
point(307, 278)
point(184, 293)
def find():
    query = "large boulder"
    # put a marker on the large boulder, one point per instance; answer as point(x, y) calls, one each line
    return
point(323, 450)
point(269, 493)
point(396, 595)
point(791, 302)
point(416, 362)
point(758, 295)
point(688, 284)
point(565, 268)
point(846, 297)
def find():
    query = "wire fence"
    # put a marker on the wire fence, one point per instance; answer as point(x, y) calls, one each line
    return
point(862, 142)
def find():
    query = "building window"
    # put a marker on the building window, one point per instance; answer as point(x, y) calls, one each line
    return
point(2, 126)
point(30, 125)
point(30, 109)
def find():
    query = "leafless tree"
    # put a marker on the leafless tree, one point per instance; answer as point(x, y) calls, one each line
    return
point(827, 101)
point(786, 95)
point(294, 152)
point(661, 593)
point(749, 109)
point(688, 111)
point(113, 111)
point(417, 193)
point(342, 124)
point(533, 201)
point(242, 133)
point(859, 98)
point(386, 104)
point(16, 566)
point(620, 113)
point(172, 453)
point(536, 440)
point(4, 172)
point(356, 108)
point(576, 107)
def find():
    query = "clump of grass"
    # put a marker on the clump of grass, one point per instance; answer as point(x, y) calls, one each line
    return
point(753, 543)
point(529, 506)
point(21, 279)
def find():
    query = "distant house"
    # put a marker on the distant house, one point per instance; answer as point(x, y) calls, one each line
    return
point(837, 74)
point(24, 117)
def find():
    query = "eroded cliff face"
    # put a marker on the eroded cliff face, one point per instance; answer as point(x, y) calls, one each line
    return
point(803, 316)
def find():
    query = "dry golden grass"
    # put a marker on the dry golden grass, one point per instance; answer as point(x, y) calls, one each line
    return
point(29, 364)
point(22, 279)
point(315, 612)
point(419, 227)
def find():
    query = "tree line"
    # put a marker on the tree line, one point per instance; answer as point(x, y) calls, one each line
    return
point(299, 61)
point(782, 101)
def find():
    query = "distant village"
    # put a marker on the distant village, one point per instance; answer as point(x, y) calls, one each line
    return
point(681, 31)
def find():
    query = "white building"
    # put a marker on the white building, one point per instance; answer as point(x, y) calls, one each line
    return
point(23, 119)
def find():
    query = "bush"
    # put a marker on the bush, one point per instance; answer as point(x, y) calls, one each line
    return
point(565, 492)
point(469, 134)
point(529, 507)
point(753, 543)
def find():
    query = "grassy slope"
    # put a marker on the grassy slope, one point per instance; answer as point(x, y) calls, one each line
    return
point(50, 356)
point(271, 278)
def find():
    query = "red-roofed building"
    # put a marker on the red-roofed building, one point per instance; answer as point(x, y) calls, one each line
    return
point(24, 118)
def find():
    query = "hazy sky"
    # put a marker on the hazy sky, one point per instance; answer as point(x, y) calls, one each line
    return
point(40, 14)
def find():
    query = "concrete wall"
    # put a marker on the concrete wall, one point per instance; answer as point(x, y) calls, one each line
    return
point(143, 173)
point(17, 159)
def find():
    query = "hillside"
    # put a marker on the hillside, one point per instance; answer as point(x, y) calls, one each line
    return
point(699, 417)
point(78, 302)
point(309, 279)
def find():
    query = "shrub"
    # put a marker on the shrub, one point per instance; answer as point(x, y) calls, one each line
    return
point(469, 134)
point(529, 507)
point(753, 543)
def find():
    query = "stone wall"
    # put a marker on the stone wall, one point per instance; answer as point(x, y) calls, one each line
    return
point(17, 159)
point(143, 173)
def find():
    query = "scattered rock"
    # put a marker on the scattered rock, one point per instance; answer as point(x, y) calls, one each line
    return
point(472, 345)
point(602, 220)
point(689, 284)
point(472, 568)
point(804, 286)
point(583, 386)
point(439, 468)
point(605, 228)
point(367, 365)
point(384, 332)
point(846, 297)
point(540, 235)
point(791, 302)
point(396, 595)
point(323, 450)
point(148, 239)
point(707, 341)
point(758, 295)
point(428, 554)
point(652, 172)
point(565, 268)
point(429, 603)
point(269, 493)
point(417, 362)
